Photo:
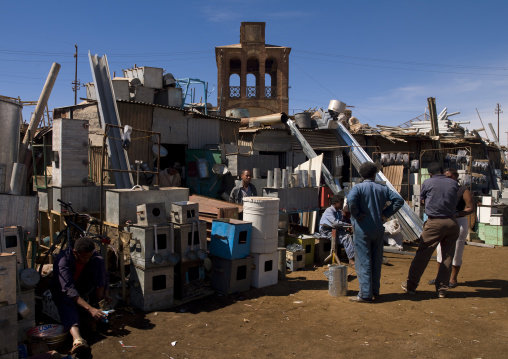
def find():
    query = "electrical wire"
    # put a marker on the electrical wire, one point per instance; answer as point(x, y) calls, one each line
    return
point(396, 68)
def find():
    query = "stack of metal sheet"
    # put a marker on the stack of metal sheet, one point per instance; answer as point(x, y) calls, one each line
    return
point(412, 226)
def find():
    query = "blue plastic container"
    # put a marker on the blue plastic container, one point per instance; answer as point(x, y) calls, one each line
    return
point(230, 240)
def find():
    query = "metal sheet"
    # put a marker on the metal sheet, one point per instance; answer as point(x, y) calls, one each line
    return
point(109, 115)
point(139, 117)
point(412, 226)
point(171, 124)
point(203, 131)
point(10, 119)
point(19, 211)
point(330, 181)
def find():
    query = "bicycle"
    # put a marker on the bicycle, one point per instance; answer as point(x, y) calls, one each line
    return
point(73, 230)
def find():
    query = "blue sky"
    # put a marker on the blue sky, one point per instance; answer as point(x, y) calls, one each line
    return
point(383, 57)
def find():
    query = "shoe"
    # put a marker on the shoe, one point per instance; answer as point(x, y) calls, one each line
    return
point(405, 289)
point(441, 294)
point(432, 281)
point(358, 299)
point(376, 298)
point(452, 285)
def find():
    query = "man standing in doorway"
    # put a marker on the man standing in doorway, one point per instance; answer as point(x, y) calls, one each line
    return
point(366, 202)
point(245, 189)
point(439, 195)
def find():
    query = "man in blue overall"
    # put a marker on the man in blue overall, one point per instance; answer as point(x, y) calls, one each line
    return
point(366, 202)
point(334, 218)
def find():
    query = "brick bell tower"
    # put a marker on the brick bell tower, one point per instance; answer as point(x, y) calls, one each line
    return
point(252, 74)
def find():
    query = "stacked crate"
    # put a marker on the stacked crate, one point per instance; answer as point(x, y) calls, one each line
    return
point(231, 264)
point(70, 167)
point(152, 259)
point(191, 245)
point(8, 307)
point(263, 213)
point(307, 242)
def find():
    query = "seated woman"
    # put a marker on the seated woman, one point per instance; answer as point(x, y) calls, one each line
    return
point(79, 282)
point(334, 218)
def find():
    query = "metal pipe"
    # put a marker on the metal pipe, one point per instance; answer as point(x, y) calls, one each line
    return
point(39, 110)
point(265, 120)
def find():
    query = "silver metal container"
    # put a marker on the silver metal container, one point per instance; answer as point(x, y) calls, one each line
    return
point(149, 76)
point(10, 120)
point(238, 113)
point(337, 286)
point(303, 120)
point(337, 106)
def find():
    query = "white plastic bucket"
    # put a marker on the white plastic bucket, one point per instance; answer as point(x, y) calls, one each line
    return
point(263, 212)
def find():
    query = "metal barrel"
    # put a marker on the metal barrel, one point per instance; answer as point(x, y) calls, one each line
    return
point(337, 285)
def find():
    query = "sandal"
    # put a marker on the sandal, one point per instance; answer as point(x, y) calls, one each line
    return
point(452, 285)
point(78, 345)
point(432, 281)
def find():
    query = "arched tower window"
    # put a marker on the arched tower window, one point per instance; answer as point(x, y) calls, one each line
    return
point(252, 77)
point(235, 66)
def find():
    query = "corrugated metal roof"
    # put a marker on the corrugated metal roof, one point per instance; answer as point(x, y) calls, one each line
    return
point(222, 118)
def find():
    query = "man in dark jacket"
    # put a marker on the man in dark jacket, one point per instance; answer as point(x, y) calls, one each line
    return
point(245, 189)
point(79, 274)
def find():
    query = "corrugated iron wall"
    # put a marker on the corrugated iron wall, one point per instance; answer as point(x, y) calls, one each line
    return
point(138, 116)
point(202, 131)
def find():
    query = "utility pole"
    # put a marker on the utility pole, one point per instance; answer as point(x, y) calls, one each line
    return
point(497, 111)
point(76, 83)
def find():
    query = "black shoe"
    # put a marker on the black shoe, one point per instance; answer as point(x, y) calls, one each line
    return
point(405, 289)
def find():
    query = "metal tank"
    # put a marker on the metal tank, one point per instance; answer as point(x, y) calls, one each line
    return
point(238, 113)
point(10, 120)
point(303, 120)
point(337, 106)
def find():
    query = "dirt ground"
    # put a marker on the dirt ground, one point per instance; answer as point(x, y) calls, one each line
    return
point(297, 318)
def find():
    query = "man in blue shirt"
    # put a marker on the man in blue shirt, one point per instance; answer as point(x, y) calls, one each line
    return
point(439, 195)
point(366, 202)
point(333, 219)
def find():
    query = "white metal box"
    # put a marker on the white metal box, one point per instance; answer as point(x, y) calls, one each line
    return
point(184, 212)
point(143, 94)
point(152, 289)
point(231, 276)
point(295, 260)
point(45, 199)
point(151, 213)
point(149, 76)
point(70, 152)
point(11, 241)
point(265, 272)
point(84, 199)
point(8, 275)
point(496, 220)
point(148, 252)
point(170, 96)
point(121, 203)
point(190, 241)
point(487, 201)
